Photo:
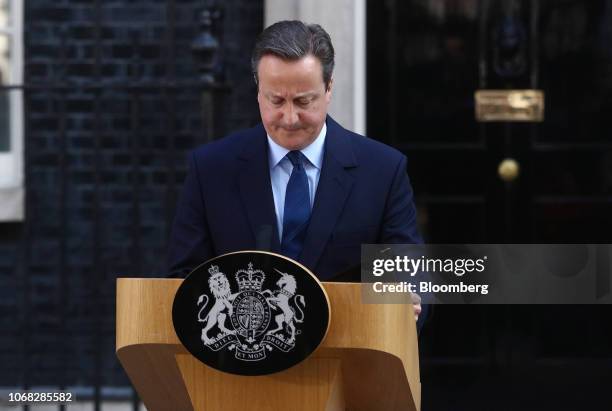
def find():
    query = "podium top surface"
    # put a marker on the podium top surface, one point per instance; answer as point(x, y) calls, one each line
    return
point(144, 316)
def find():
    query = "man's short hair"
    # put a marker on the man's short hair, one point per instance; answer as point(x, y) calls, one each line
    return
point(292, 40)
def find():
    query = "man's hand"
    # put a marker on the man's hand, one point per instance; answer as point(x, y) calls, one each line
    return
point(416, 303)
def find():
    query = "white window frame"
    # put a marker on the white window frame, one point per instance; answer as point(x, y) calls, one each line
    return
point(12, 190)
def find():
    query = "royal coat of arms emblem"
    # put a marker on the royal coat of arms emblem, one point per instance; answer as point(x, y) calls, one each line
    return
point(251, 313)
point(243, 319)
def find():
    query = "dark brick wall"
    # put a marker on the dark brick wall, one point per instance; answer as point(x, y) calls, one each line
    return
point(121, 147)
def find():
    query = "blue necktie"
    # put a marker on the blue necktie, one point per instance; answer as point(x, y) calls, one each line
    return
point(297, 208)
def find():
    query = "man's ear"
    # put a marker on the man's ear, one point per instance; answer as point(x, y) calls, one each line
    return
point(329, 85)
point(328, 92)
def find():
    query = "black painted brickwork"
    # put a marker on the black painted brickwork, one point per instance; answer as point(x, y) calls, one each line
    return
point(136, 140)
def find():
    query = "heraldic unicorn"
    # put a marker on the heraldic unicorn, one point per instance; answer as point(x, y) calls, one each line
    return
point(242, 321)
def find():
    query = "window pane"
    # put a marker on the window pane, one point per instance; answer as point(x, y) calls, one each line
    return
point(5, 11)
point(4, 94)
point(5, 63)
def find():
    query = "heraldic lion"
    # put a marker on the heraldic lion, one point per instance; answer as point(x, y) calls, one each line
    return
point(220, 288)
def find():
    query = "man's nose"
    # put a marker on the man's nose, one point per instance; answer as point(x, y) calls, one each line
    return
point(290, 115)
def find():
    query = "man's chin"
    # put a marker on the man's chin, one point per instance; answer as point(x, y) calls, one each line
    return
point(293, 140)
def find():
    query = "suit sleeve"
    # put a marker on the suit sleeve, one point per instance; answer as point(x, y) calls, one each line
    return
point(190, 242)
point(399, 221)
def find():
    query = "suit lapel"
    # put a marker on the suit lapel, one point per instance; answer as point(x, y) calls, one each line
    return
point(256, 192)
point(333, 190)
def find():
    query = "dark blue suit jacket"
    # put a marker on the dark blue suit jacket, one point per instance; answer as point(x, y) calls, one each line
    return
point(363, 196)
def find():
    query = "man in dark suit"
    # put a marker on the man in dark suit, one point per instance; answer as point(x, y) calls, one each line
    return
point(298, 183)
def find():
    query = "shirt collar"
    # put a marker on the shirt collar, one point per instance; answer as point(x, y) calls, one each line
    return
point(313, 152)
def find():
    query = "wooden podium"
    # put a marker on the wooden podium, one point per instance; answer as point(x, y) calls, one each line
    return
point(368, 360)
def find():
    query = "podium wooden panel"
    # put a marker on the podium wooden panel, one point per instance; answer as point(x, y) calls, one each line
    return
point(368, 360)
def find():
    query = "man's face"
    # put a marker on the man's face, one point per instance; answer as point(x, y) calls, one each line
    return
point(292, 100)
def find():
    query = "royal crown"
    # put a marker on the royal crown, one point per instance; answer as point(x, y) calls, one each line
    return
point(250, 280)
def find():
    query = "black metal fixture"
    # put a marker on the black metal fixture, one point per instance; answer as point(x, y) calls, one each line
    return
point(205, 47)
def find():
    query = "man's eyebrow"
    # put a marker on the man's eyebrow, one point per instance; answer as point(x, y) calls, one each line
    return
point(306, 94)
